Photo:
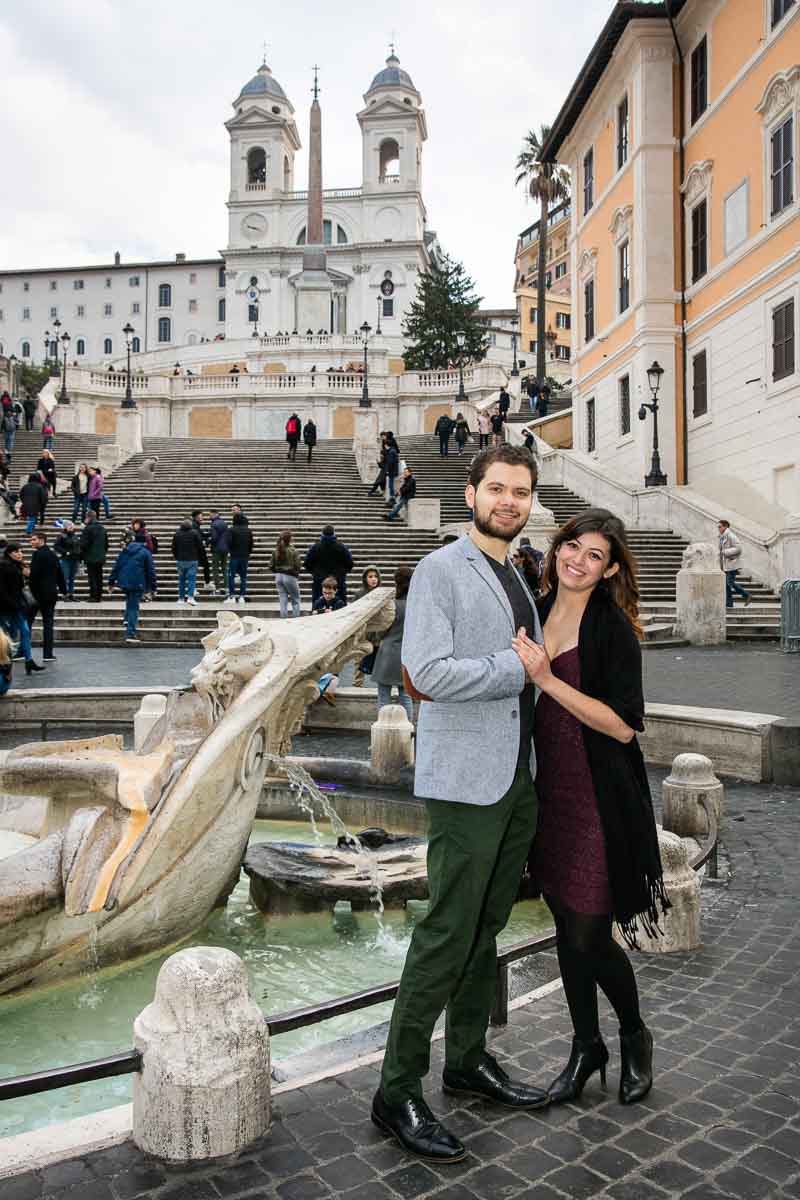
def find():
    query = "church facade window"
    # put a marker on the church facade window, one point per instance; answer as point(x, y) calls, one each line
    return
point(327, 234)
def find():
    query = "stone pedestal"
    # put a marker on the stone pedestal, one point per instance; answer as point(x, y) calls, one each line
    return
point(691, 780)
point(700, 597)
point(65, 419)
point(391, 743)
point(108, 457)
point(365, 442)
point(680, 928)
point(129, 432)
point(424, 512)
point(204, 1087)
point(151, 710)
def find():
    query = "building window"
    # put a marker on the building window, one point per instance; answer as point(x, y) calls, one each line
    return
point(53, 285)
point(192, 306)
point(588, 180)
point(164, 329)
point(699, 240)
point(779, 10)
point(588, 310)
point(107, 310)
point(341, 236)
point(108, 346)
point(221, 309)
point(562, 353)
point(532, 316)
point(624, 276)
point(783, 340)
point(80, 310)
point(221, 277)
point(252, 313)
point(622, 132)
point(26, 314)
point(624, 385)
point(78, 285)
point(591, 437)
point(165, 296)
point(561, 270)
point(108, 281)
point(782, 166)
point(388, 306)
point(80, 346)
point(53, 314)
point(26, 349)
point(136, 308)
point(193, 277)
point(548, 279)
point(699, 384)
point(136, 345)
point(699, 84)
point(133, 281)
point(736, 217)
point(563, 320)
point(531, 347)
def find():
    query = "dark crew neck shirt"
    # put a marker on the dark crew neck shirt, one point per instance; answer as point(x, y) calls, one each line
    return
point(523, 616)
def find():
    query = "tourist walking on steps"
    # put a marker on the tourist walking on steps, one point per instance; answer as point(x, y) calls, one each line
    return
point(293, 428)
point(95, 490)
point(29, 408)
point(496, 422)
point(464, 606)
point(187, 550)
point(462, 433)
point(392, 467)
point(596, 857)
point(6, 662)
point(370, 579)
point(239, 545)
point(13, 609)
point(48, 433)
point(730, 553)
point(204, 565)
point(310, 436)
point(326, 557)
point(484, 429)
point(217, 531)
point(504, 403)
point(46, 466)
point(80, 493)
point(285, 562)
point(379, 482)
point(94, 549)
point(408, 490)
point(443, 430)
point(134, 573)
point(533, 394)
point(68, 548)
point(388, 671)
point(46, 582)
point(9, 428)
point(33, 502)
point(544, 399)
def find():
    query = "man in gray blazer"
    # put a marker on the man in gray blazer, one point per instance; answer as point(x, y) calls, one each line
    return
point(475, 769)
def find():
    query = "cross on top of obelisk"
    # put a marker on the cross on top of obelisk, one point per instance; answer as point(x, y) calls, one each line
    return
point(315, 88)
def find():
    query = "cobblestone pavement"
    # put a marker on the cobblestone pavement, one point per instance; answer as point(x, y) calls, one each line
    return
point(723, 1119)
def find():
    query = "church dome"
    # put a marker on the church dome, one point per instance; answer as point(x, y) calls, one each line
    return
point(264, 83)
point(392, 75)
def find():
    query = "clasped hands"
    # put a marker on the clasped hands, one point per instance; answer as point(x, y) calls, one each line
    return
point(533, 657)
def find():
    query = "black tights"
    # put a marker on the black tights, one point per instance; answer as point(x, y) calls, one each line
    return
point(588, 956)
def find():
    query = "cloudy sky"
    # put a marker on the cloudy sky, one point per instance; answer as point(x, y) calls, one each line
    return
point(111, 114)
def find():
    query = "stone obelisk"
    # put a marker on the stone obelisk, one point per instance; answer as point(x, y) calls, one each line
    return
point(314, 286)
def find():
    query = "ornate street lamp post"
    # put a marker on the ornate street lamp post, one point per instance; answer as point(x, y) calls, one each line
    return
point(57, 327)
point(366, 330)
point(656, 477)
point(378, 326)
point(12, 362)
point(461, 338)
point(63, 398)
point(129, 401)
point(46, 358)
point(513, 322)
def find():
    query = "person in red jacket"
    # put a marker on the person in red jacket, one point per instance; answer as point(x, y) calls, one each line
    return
point(293, 430)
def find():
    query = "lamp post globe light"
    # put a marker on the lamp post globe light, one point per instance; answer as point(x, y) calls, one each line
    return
point(513, 322)
point(461, 338)
point(365, 331)
point(63, 398)
point(656, 478)
point(129, 401)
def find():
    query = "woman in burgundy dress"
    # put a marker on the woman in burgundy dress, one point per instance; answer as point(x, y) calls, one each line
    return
point(595, 857)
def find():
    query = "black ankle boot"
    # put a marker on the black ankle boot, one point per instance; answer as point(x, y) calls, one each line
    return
point(584, 1060)
point(636, 1071)
point(30, 665)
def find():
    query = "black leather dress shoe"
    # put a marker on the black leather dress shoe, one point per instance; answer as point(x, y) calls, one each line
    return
point(490, 1081)
point(417, 1129)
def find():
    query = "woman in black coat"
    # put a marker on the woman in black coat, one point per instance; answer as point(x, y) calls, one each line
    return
point(595, 857)
point(13, 608)
point(46, 466)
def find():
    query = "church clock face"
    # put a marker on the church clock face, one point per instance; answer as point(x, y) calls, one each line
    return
point(254, 226)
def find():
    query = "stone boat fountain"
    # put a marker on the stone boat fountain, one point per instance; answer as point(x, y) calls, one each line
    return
point(133, 850)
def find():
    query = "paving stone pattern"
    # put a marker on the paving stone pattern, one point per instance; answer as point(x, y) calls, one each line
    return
point(722, 1121)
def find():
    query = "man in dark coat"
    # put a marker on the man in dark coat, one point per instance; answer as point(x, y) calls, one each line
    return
point(380, 479)
point(68, 550)
point(187, 550)
point(217, 531)
point(533, 394)
point(326, 557)
point(46, 581)
point(544, 399)
point(310, 436)
point(29, 407)
point(94, 548)
point(392, 467)
point(504, 403)
point(443, 430)
point(239, 545)
point(33, 498)
point(197, 523)
point(13, 613)
point(408, 490)
point(134, 573)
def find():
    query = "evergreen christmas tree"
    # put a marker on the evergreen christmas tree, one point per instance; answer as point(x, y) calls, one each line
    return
point(444, 306)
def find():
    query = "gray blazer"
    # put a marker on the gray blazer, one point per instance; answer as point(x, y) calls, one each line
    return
point(457, 650)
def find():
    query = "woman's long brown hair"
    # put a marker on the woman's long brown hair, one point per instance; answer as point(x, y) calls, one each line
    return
point(623, 586)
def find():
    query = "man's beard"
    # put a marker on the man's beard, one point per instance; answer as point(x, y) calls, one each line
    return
point(485, 526)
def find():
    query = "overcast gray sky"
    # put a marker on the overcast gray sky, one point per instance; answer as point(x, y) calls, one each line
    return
point(111, 114)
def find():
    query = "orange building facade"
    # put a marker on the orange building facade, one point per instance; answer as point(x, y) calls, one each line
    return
point(681, 133)
point(558, 302)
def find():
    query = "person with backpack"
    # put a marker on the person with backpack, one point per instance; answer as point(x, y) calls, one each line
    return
point(134, 573)
point(285, 562)
point(462, 432)
point(9, 428)
point(68, 549)
point(443, 430)
point(310, 436)
point(293, 428)
point(33, 501)
point(48, 433)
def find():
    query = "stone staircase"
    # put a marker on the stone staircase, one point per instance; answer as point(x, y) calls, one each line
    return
point(278, 495)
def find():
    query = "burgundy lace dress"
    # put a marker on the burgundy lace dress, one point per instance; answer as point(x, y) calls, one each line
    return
point(569, 853)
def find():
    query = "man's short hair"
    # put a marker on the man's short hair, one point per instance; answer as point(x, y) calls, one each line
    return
point(722, 521)
point(512, 456)
point(328, 531)
point(40, 535)
point(330, 582)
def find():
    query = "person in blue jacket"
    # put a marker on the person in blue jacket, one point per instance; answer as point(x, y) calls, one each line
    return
point(134, 573)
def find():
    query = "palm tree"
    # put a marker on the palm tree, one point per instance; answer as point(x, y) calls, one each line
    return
point(548, 183)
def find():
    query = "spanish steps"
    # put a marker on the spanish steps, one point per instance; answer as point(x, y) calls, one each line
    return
point(276, 495)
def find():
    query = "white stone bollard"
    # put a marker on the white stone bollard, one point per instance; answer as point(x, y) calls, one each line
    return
point(680, 928)
point(391, 743)
point(424, 512)
point(151, 710)
point(691, 780)
point(129, 432)
point(700, 597)
point(204, 1087)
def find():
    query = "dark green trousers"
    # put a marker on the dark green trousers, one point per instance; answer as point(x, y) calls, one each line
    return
point(476, 854)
